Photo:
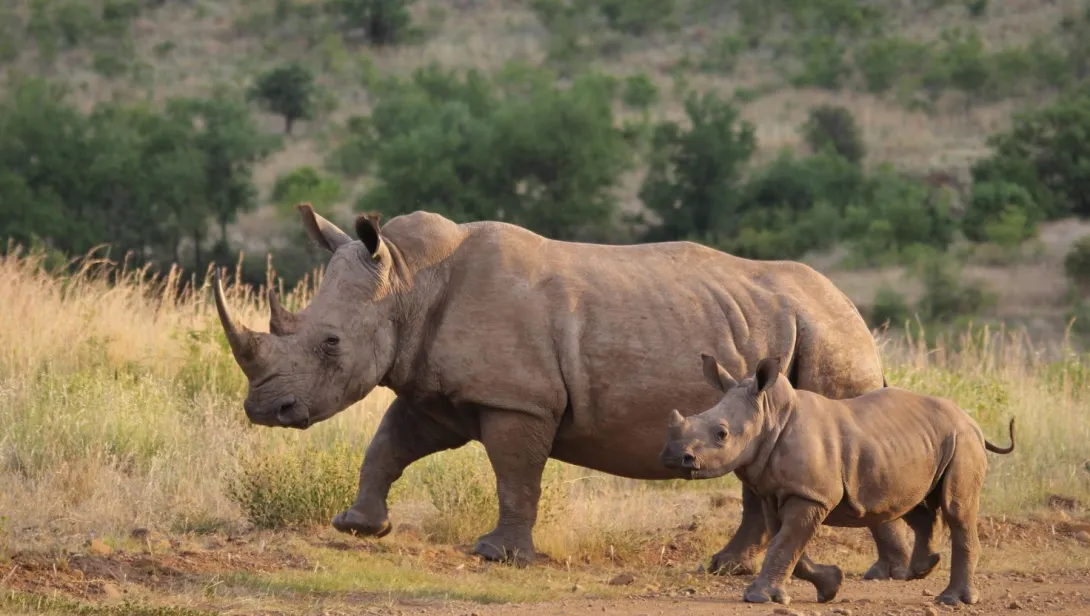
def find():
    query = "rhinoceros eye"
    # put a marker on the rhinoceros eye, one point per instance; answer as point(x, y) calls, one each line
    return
point(721, 434)
point(331, 345)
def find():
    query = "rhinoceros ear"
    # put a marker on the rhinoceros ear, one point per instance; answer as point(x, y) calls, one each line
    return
point(370, 233)
point(768, 370)
point(325, 233)
point(716, 374)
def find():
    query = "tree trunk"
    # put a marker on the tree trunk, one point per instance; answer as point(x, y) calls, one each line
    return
point(289, 121)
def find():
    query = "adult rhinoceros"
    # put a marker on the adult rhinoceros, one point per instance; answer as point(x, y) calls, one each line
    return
point(540, 348)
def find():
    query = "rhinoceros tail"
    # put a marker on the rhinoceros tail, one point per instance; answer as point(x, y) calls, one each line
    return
point(994, 449)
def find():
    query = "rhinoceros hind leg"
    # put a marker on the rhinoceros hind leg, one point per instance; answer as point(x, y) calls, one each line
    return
point(825, 578)
point(518, 446)
point(739, 556)
point(925, 522)
point(404, 436)
point(960, 502)
point(891, 539)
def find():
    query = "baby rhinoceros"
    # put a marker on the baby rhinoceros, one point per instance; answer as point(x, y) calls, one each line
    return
point(884, 455)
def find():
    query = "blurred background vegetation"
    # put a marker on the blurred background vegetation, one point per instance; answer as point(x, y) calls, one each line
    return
point(928, 155)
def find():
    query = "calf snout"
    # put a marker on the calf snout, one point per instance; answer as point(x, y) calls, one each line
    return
point(678, 457)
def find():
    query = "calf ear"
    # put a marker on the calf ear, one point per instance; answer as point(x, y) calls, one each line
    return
point(768, 370)
point(716, 374)
point(325, 233)
point(370, 233)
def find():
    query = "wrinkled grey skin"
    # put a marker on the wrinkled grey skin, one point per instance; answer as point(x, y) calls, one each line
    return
point(881, 456)
point(539, 348)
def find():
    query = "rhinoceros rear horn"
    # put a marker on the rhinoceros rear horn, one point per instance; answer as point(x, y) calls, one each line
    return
point(281, 322)
point(243, 341)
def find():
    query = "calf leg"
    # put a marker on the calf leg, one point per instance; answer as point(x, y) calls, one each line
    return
point(826, 578)
point(739, 556)
point(925, 557)
point(403, 437)
point(960, 503)
point(796, 522)
point(891, 539)
point(518, 446)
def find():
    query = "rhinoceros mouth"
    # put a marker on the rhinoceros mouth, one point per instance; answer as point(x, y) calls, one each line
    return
point(709, 473)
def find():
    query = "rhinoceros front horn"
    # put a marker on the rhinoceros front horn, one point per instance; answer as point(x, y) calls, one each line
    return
point(243, 341)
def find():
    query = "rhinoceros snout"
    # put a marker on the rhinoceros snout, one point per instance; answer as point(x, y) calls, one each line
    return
point(286, 412)
point(680, 459)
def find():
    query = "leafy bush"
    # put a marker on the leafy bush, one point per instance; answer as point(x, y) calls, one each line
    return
point(1042, 153)
point(638, 17)
point(384, 22)
point(833, 127)
point(694, 175)
point(640, 92)
point(514, 148)
point(1000, 212)
point(287, 90)
point(889, 307)
point(883, 61)
point(1077, 262)
point(823, 63)
point(946, 294)
point(306, 184)
point(353, 155)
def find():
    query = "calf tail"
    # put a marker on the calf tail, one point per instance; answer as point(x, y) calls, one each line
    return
point(995, 449)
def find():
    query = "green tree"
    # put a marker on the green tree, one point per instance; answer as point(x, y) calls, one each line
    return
point(287, 90)
point(515, 148)
point(991, 202)
point(694, 175)
point(306, 184)
point(1044, 152)
point(832, 127)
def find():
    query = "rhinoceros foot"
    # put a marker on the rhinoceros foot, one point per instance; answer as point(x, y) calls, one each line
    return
point(758, 593)
point(731, 563)
point(356, 523)
point(827, 580)
point(883, 570)
point(951, 596)
point(496, 548)
point(923, 567)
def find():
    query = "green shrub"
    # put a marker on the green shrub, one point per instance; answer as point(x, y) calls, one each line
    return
point(889, 308)
point(883, 61)
point(832, 127)
point(1003, 204)
point(694, 175)
point(1077, 262)
point(515, 147)
point(976, 8)
point(946, 295)
point(638, 17)
point(306, 184)
point(823, 63)
point(640, 92)
point(1042, 152)
point(723, 54)
point(354, 153)
point(294, 488)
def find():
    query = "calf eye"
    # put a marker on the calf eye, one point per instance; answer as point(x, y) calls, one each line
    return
point(332, 341)
point(331, 345)
point(722, 434)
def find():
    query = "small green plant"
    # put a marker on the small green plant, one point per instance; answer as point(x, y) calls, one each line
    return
point(832, 127)
point(946, 295)
point(287, 90)
point(976, 8)
point(722, 57)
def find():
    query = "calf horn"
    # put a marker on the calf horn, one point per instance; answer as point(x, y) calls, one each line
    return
point(282, 322)
point(677, 421)
point(243, 341)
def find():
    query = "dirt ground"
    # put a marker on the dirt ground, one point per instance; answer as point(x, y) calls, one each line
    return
point(1031, 566)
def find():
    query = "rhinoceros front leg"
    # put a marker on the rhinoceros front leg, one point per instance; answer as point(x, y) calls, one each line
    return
point(404, 436)
point(739, 556)
point(891, 539)
point(518, 446)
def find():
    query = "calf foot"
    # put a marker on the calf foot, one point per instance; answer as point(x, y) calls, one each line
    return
point(759, 593)
point(733, 563)
point(356, 522)
point(923, 567)
point(827, 579)
point(951, 596)
point(503, 547)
